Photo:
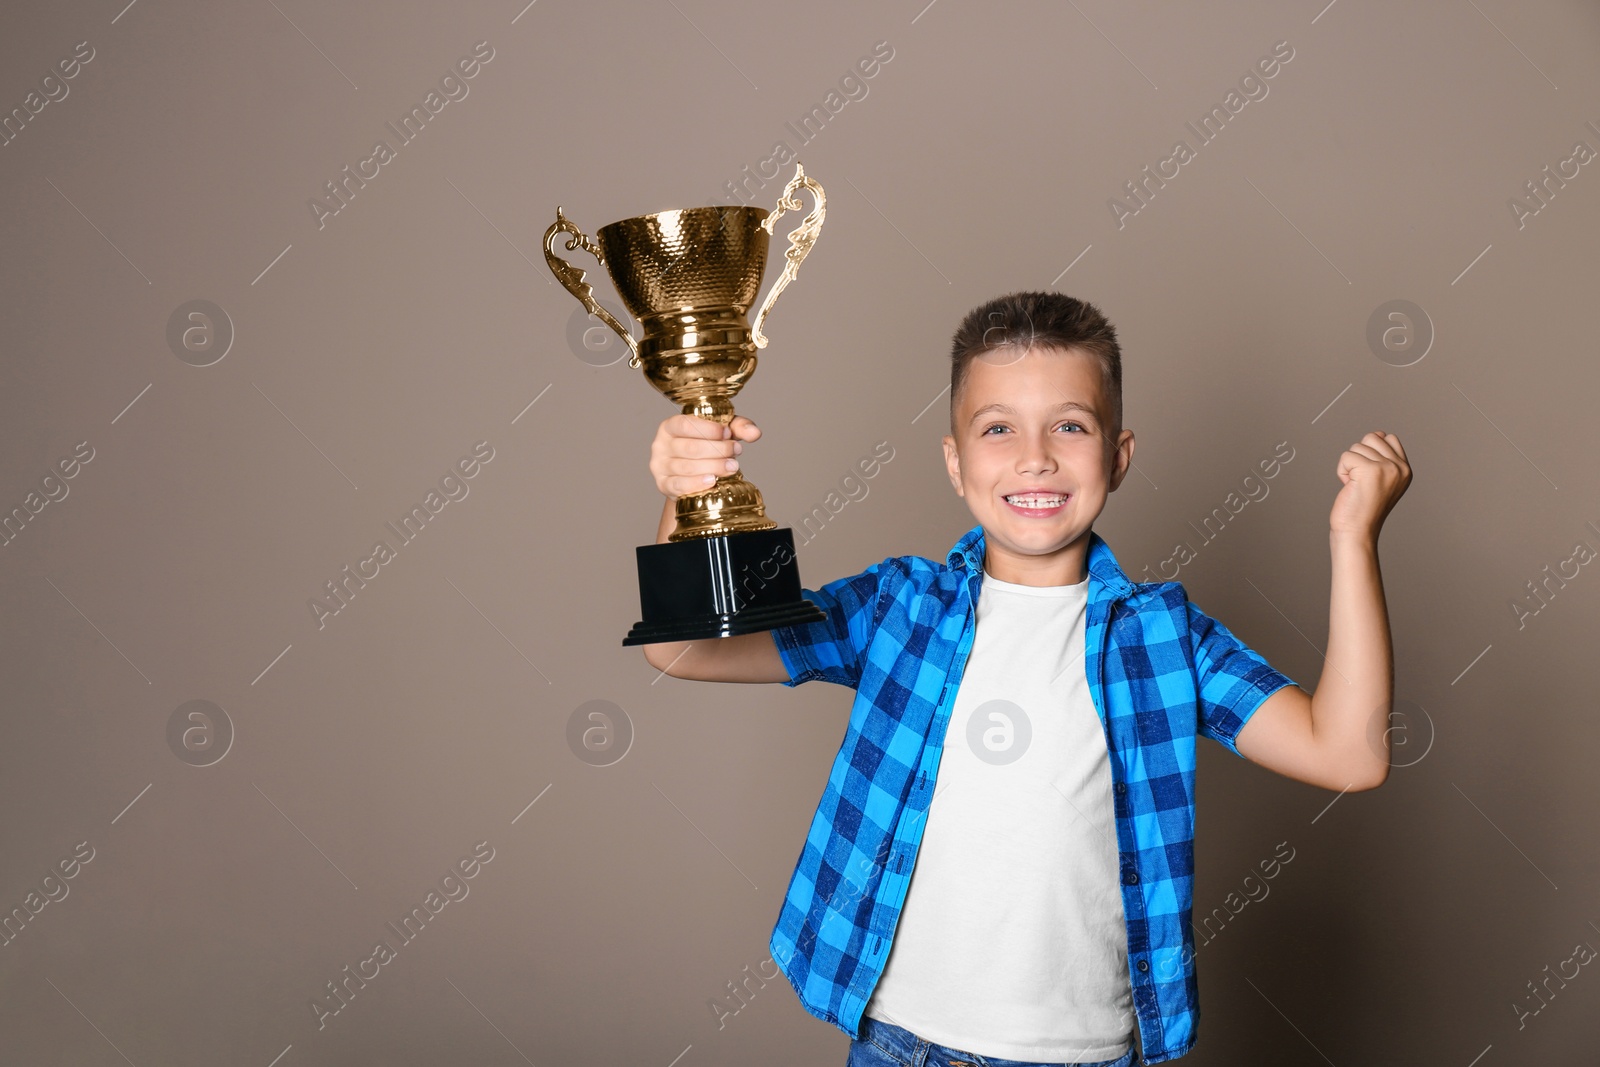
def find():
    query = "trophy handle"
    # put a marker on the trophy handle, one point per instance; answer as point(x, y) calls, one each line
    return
point(572, 278)
point(801, 238)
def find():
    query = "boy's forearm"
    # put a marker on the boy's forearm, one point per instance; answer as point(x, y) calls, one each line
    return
point(669, 521)
point(1350, 708)
point(662, 656)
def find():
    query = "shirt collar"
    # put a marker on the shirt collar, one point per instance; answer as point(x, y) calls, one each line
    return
point(968, 552)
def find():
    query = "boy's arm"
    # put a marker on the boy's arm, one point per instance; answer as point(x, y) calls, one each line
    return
point(686, 456)
point(1338, 738)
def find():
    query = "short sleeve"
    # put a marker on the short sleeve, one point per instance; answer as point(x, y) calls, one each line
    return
point(1234, 680)
point(833, 648)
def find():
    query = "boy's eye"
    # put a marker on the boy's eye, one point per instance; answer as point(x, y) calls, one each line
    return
point(1001, 426)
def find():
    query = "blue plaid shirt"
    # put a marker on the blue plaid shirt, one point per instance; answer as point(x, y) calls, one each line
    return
point(1160, 672)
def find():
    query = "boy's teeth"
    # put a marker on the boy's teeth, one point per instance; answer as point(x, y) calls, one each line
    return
point(1037, 500)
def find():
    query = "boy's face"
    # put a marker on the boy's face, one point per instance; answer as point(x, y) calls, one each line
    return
point(1032, 456)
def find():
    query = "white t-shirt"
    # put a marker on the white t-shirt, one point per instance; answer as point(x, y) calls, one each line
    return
point(1012, 942)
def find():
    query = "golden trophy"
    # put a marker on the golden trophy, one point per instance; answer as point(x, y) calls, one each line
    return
point(690, 277)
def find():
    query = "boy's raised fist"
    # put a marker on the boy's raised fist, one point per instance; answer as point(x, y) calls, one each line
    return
point(1375, 472)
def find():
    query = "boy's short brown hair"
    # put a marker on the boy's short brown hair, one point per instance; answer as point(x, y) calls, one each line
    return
point(1042, 320)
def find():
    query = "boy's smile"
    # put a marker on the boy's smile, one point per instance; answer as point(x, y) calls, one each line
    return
point(1031, 453)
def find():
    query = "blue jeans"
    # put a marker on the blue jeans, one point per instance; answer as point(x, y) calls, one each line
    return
point(886, 1045)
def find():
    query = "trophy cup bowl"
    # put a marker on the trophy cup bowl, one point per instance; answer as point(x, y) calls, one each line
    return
point(690, 276)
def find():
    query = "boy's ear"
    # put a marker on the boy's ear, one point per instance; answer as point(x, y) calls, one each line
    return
point(952, 464)
point(1121, 459)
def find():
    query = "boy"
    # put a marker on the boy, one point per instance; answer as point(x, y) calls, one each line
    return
point(1024, 726)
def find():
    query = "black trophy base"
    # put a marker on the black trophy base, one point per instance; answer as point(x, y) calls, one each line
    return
point(738, 583)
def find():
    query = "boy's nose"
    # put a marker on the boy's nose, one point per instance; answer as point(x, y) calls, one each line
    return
point(1036, 462)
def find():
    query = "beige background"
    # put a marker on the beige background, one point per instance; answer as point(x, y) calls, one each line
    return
point(372, 353)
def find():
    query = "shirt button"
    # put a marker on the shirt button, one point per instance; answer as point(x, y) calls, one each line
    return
point(1144, 965)
point(1130, 877)
point(1122, 787)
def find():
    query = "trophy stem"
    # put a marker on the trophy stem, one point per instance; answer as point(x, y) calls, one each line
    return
point(730, 505)
point(715, 408)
